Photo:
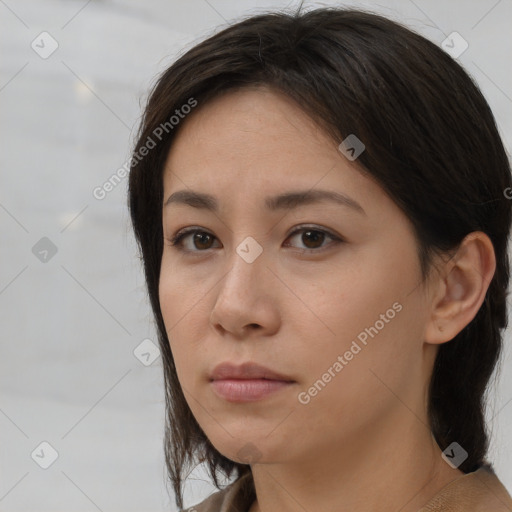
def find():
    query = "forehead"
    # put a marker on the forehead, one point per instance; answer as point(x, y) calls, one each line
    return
point(250, 146)
point(255, 113)
point(252, 131)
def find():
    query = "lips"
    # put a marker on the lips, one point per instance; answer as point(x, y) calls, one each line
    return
point(252, 371)
point(248, 382)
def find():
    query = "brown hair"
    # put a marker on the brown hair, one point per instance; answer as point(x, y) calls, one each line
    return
point(431, 143)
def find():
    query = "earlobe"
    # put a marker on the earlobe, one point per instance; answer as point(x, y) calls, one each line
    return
point(462, 285)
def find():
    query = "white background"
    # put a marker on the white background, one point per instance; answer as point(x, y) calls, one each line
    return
point(68, 375)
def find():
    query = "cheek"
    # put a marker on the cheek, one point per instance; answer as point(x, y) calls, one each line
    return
point(346, 298)
point(182, 297)
point(370, 312)
point(180, 303)
point(350, 384)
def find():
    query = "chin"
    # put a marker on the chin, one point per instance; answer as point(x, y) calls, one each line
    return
point(255, 450)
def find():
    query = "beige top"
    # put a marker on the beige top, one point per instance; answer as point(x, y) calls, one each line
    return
point(479, 491)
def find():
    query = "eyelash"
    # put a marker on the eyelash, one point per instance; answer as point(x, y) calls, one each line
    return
point(177, 239)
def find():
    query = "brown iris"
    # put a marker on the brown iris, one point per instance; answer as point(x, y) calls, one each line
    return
point(314, 237)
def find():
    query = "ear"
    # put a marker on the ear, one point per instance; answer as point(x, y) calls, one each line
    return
point(461, 285)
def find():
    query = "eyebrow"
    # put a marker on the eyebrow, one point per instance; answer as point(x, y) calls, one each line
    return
point(285, 201)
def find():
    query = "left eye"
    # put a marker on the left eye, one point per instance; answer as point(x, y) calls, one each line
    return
point(312, 238)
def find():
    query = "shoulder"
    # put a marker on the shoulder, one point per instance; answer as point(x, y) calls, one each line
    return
point(479, 491)
point(236, 497)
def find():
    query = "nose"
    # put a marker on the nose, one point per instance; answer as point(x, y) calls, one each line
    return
point(247, 299)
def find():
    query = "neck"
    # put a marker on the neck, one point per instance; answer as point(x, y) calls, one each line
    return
point(394, 466)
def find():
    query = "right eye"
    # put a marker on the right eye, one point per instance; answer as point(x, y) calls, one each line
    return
point(200, 240)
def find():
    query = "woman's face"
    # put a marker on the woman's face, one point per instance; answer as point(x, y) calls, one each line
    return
point(325, 293)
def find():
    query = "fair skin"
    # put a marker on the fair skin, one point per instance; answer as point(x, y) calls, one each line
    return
point(361, 443)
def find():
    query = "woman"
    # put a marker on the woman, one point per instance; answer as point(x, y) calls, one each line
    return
point(319, 199)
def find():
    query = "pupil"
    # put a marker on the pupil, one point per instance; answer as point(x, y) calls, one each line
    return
point(199, 237)
point(316, 237)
